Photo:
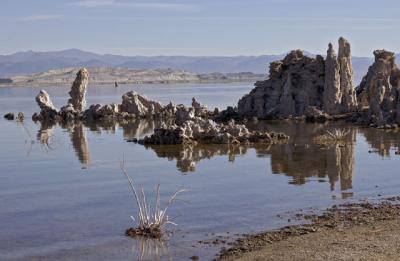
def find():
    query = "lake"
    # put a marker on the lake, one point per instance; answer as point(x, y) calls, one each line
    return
point(64, 197)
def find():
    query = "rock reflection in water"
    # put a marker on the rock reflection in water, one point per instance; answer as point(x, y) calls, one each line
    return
point(45, 133)
point(335, 161)
point(303, 162)
point(77, 135)
point(382, 140)
point(77, 132)
point(138, 128)
point(80, 143)
point(188, 155)
point(131, 128)
point(302, 158)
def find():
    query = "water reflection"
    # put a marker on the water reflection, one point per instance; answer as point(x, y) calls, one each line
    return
point(187, 156)
point(137, 129)
point(130, 128)
point(382, 141)
point(301, 159)
point(77, 133)
point(79, 142)
point(45, 133)
point(147, 249)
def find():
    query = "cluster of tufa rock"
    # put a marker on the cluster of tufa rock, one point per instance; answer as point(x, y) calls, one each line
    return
point(75, 106)
point(133, 105)
point(300, 85)
point(314, 88)
point(379, 92)
point(206, 131)
point(319, 89)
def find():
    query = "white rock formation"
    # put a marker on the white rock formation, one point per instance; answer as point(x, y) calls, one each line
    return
point(139, 105)
point(294, 84)
point(207, 131)
point(332, 93)
point(379, 91)
point(347, 87)
point(298, 82)
point(47, 108)
point(78, 91)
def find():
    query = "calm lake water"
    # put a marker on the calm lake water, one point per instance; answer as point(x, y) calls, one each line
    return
point(63, 196)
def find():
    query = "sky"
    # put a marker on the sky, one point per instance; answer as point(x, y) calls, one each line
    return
point(198, 28)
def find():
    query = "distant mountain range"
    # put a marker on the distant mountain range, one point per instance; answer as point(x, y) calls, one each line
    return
point(34, 62)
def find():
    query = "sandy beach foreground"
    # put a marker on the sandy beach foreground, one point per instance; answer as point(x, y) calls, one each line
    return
point(362, 231)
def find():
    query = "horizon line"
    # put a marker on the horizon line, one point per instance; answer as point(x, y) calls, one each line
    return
point(168, 55)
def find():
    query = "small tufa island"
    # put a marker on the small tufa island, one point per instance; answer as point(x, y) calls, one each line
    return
point(187, 125)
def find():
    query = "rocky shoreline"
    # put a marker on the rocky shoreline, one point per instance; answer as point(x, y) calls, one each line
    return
point(324, 235)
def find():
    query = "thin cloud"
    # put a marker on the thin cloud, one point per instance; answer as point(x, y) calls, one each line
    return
point(228, 18)
point(138, 5)
point(39, 17)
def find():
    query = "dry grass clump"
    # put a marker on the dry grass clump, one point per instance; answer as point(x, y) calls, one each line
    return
point(150, 221)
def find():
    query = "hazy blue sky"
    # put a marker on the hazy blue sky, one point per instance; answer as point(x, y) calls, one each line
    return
point(203, 27)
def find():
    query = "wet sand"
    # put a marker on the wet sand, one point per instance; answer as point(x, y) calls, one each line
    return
point(362, 231)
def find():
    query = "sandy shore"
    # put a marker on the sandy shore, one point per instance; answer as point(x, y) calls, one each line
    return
point(364, 231)
point(108, 76)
